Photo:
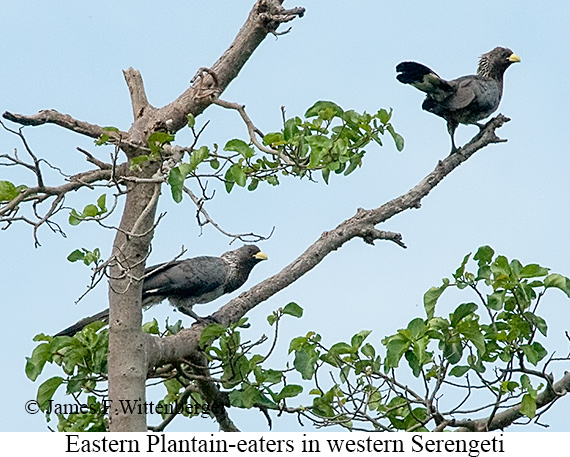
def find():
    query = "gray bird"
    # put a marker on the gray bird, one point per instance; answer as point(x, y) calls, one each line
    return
point(186, 283)
point(464, 100)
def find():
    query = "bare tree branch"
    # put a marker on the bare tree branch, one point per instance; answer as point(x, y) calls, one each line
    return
point(201, 211)
point(264, 18)
point(139, 100)
point(252, 129)
point(509, 416)
point(63, 120)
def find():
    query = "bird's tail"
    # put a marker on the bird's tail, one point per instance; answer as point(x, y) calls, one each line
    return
point(70, 331)
point(423, 78)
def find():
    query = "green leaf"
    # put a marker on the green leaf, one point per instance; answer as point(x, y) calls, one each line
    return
point(355, 162)
point(211, 331)
point(528, 406)
point(9, 191)
point(151, 327)
point(484, 255)
point(472, 331)
point(325, 110)
point(396, 345)
point(417, 328)
point(102, 139)
point(304, 362)
point(509, 386)
point(538, 321)
point(320, 146)
point(91, 256)
point(291, 128)
point(495, 300)
point(229, 184)
point(437, 323)
point(533, 271)
point(273, 139)
point(500, 267)
point(35, 364)
point(135, 161)
point(516, 268)
point(46, 391)
point(463, 310)
point(333, 166)
point(90, 211)
point(375, 400)
point(272, 376)
point(236, 174)
point(459, 370)
point(176, 181)
point(368, 350)
point(173, 329)
point(191, 120)
point(431, 297)
point(525, 382)
point(384, 116)
point(341, 348)
point(290, 391)
point(76, 255)
point(244, 398)
point(293, 309)
point(461, 269)
point(297, 343)
point(272, 180)
point(239, 146)
point(359, 338)
point(414, 362)
point(452, 351)
point(398, 139)
point(74, 217)
point(197, 157)
point(157, 140)
point(253, 184)
point(558, 281)
point(101, 201)
point(530, 354)
point(534, 352)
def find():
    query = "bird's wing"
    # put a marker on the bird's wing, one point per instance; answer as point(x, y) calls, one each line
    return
point(467, 88)
point(189, 278)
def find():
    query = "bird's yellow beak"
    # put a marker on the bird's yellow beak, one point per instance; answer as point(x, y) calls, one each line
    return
point(514, 58)
point(260, 256)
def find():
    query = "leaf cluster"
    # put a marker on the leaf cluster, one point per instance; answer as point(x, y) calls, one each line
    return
point(494, 342)
point(9, 191)
point(329, 139)
point(83, 360)
point(499, 336)
point(90, 211)
point(242, 375)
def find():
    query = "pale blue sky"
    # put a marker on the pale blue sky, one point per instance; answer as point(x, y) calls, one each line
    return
point(68, 55)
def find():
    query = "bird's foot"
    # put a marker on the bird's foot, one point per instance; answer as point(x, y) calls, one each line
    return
point(200, 320)
point(207, 320)
point(454, 149)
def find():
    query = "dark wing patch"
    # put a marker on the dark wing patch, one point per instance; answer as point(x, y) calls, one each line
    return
point(189, 278)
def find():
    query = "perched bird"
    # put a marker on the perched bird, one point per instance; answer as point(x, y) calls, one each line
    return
point(464, 100)
point(186, 283)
